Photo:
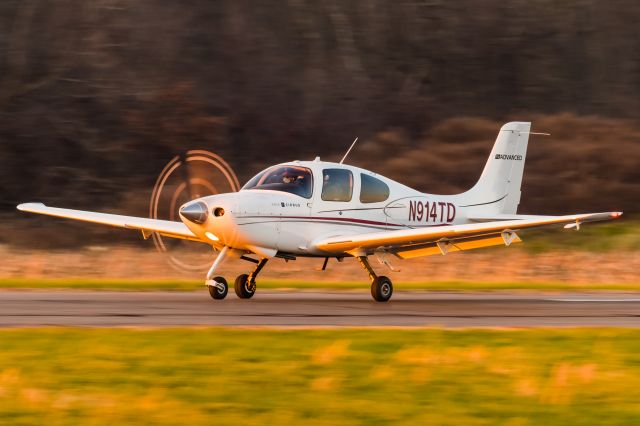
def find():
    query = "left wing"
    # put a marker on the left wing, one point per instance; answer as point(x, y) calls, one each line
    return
point(420, 241)
point(147, 226)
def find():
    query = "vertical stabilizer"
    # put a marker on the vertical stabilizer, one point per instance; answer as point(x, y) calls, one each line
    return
point(498, 189)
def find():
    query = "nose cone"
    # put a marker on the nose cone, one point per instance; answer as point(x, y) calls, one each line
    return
point(195, 212)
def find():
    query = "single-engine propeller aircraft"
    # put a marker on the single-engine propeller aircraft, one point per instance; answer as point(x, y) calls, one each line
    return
point(333, 210)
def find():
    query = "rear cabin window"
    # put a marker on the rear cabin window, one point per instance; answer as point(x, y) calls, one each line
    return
point(373, 190)
point(337, 185)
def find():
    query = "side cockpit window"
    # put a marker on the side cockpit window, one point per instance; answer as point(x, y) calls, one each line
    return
point(373, 190)
point(293, 179)
point(337, 185)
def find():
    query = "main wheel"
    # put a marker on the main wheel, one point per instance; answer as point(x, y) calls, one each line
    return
point(244, 289)
point(381, 289)
point(220, 291)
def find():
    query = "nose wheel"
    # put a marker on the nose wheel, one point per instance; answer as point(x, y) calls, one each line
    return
point(381, 286)
point(219, 289)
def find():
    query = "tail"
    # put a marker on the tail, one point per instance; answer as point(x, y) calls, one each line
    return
point(498, 189)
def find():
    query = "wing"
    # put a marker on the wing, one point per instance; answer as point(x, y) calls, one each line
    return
point(442, 239)
point(147, 226)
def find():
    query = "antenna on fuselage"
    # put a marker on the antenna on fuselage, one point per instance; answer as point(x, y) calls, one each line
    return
point(349, 150)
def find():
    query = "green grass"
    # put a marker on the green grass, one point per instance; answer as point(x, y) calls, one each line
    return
point(319, 377)
point(618, 235)
point(195, 285)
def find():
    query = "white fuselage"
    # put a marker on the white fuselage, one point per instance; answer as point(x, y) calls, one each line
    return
point(272, 221)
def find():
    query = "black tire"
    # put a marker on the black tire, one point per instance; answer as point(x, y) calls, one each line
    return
point(244, 289)
point(381, 289)
point(215, 292)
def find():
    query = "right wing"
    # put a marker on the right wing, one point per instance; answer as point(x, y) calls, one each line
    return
point(147, 226)
point(423, 241)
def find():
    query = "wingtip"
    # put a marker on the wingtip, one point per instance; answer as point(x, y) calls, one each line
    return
point(615, 215)
point(25, 207)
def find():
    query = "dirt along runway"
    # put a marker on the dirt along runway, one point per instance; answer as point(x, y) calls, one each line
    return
point(311, 309)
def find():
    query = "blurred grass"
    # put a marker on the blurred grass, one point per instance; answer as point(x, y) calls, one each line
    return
point(620, 235)
point(108, 284)
point(317, 377)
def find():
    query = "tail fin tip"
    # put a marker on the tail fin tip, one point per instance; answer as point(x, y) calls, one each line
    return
point(501, 178)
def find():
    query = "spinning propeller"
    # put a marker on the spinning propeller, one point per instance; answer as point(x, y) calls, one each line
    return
point(195, 174)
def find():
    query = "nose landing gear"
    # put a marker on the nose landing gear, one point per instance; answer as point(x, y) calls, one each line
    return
point(217, 286)
point(381, 286)
point(220, 289)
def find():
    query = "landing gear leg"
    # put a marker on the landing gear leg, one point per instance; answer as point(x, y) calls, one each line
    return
point(245, 285)
point(381, 286)
point(217, 286)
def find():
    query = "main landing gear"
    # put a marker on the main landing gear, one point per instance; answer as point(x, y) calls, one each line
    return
point(381, 286)
point(244, 285)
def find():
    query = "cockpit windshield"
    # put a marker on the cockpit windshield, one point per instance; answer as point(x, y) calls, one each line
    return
point(293, 179)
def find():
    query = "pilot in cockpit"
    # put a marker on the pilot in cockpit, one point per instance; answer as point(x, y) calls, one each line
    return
point(288, 177)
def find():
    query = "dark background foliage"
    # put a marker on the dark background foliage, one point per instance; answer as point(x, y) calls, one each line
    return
point(96, 96)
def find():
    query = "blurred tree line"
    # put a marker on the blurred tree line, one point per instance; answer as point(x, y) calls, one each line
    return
point(96, 96)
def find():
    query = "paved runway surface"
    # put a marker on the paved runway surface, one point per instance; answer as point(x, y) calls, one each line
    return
point(291, 309)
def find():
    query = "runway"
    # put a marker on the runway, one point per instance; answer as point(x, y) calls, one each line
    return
point(316, 309)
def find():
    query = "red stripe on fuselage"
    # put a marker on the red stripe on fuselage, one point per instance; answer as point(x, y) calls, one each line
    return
point(339, 219)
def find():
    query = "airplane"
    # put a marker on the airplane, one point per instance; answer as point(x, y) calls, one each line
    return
point(332, 210)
